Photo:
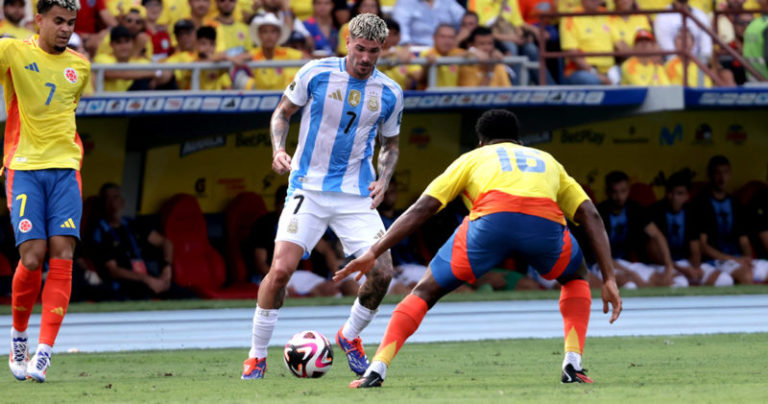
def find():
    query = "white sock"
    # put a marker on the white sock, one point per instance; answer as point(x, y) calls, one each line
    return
point(378, 367)
point(44, 348)
point(264, 321)
point(574, 359)
point(724, 280)
point(18, 334)
point(359, 318)
point(629, 285)
point(680, 281)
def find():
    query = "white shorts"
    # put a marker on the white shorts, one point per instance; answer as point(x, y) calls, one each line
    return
point(759, 268)
point(409, 273)
point(303, 281)
point(307, 214)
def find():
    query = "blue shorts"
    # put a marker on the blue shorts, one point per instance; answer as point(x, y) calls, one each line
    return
point(481, 244)
point(44, 203)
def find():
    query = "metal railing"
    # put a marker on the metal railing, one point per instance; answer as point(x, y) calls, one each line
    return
point(197, 67)
point(685, 55)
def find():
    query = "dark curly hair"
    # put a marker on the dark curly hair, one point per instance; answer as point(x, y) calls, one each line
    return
point(497, 124)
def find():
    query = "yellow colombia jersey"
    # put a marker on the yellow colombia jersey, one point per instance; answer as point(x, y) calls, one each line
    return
point(488, 10)
point(625, 30)
point(233, 39)
point(634, 73)
point(447, 75)
point(41, 94)
point(9, 30)
point(507, 177)
point(273, 78)
point(696, 78)
point(116, 85)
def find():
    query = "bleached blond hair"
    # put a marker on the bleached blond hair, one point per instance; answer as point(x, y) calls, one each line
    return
point(368, 26)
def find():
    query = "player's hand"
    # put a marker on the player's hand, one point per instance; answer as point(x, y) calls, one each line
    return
point(610, 294)
point(363, 264)
point(378, 188)
point(281, 162)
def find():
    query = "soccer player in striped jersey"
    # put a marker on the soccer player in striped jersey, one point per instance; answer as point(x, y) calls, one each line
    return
point(42, 80)
point(519, 199)
point(347, 104)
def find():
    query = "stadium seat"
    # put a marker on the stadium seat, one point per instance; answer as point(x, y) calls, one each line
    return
point(93, 211)
point(239, 217)
point(748, 190)
point(197, 265)
point(642, 194)
point(698, 187)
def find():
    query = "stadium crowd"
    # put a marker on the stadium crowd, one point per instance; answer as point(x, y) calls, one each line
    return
point(188, 31)
point(696, 234)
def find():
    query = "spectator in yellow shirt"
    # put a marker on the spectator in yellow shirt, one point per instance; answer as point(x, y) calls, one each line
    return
point(444, 45)
point(198, 12)
point(121, 41)
point(624, 27)
point(232, 37)
point(184, 31)
point(674, 66)
point(407, 76)
point(211, 80)
point(643, 70)
point(10, 26)
point(587, 34)
point(268, 32)
point(133, 20)
point(484, 75)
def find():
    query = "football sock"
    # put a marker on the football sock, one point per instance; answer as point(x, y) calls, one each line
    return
point(378, 367)
point(724, 280)
point(26, 288)
point(359, 318)
point(264, 321)
point(404, 322)
point(44, 348)
point(56, 292)
point(575, 302)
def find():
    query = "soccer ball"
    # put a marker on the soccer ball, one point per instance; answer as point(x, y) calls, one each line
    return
point(308, 354)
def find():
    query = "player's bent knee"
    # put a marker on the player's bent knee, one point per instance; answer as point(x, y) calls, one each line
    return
point(32, 262)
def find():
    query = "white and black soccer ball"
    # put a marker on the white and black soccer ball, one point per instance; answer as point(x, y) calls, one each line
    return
point(308, 354)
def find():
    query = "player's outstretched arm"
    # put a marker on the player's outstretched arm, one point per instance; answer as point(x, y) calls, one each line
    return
point(587, 216)
point(278, 130)
point(406, 224)
point(387, 160)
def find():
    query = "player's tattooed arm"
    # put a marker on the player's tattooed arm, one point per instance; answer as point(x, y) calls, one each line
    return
point(388, 154)
point(278, 130)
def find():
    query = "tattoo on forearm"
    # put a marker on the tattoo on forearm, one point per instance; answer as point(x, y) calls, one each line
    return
point(388, 155)
point(377, 283)
point(279, 129)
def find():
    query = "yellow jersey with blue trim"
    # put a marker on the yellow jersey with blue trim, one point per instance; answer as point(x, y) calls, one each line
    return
point(42, 91)
point(506, 177)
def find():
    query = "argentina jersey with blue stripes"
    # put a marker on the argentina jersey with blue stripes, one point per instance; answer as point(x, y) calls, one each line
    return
point(339, 123)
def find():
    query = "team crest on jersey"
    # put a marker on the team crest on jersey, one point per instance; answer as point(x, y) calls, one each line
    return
point(71, 75)
point(354, 98)
point(373, 104)
point(25, 226)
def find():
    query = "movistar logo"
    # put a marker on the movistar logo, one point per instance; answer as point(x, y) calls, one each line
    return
point(33, 67)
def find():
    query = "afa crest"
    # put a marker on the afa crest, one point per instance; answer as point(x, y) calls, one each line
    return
point(373, 104)
point(354, 98)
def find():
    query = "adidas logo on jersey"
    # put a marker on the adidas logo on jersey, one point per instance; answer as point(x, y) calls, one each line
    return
point(32, 67)
point(58, 310)
point(69, 224)
point(336, 95)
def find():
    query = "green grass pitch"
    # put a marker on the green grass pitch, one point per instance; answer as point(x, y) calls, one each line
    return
point(712, 368)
